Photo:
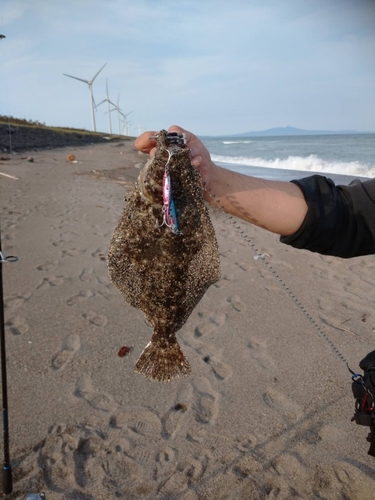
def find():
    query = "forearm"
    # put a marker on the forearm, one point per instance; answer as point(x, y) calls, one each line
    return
point(277, 206)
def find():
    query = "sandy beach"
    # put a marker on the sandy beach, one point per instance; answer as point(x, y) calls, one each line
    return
point(266, 413)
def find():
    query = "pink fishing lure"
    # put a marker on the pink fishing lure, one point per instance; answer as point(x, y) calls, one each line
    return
point(169, 208)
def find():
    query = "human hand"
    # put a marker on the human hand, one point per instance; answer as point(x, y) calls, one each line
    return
point(200, 157)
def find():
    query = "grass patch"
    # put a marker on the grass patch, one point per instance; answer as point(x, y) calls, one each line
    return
point(22, 122)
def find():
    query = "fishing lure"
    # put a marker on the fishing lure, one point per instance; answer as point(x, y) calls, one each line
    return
point(169, 207)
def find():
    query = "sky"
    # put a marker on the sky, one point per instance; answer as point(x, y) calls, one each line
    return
point(215, 67)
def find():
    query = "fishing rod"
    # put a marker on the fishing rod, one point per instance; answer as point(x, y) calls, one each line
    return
point(7, 470)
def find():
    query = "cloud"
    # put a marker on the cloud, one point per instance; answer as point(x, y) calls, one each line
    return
point(217, 65)
point(11, 11)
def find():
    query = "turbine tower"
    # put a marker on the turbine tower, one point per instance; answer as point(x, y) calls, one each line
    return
point(89, 83)
point(109, 108)
point(119, 112)
point(125, 122)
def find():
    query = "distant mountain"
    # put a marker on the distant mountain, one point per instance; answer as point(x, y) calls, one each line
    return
point(282, 131)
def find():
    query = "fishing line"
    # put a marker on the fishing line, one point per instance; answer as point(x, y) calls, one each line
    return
point(262, 257)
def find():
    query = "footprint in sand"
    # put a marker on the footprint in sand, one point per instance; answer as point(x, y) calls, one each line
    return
point(96, 319)
point(49, 266)
point(325, 303)
point(203, 329)
point(236, 303)
point(84, 389)
point(139, 422)
point(99, 253)
point(104, 280)
point(72, 252)
point(196, 406)
point(279, 402)
point(247, 444)
point(86, 274)
point(174, 420)
point(107, 295)
point(221, 370)
point(146, 426)
point(17, 325)
point(214, 320)
point(165, 464)
point(165, 456)
point(224, 280)
point(244, 265)
point(205, 401)
point(258, 353)
point(76, 299)
point(15, 302)
point(59, 242)
point(86, 470)
point(51, 281)
point(69, 347)
point(228, 253)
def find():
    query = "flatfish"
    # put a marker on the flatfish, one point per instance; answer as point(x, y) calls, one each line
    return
point(164, 257)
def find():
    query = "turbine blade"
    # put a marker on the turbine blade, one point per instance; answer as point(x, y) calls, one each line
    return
point(101, 102)
point(98, 73)
point(76, 78)
point(127, 114)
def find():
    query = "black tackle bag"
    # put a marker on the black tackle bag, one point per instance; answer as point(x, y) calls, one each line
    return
point(363, 388)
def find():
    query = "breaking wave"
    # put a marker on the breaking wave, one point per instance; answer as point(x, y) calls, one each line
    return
point(311, 163)
point(237, 142)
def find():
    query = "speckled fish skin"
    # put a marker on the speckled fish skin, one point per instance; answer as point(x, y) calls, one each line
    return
point(162, 273)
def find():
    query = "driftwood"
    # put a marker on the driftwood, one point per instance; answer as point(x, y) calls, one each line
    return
point(10, 176)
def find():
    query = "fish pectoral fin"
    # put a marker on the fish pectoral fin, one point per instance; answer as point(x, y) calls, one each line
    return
point(162, 361)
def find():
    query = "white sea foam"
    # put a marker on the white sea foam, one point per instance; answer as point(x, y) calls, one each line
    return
point(311, 163)
point(237, 142)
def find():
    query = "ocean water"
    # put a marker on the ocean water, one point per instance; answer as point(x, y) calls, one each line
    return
point(339, 157)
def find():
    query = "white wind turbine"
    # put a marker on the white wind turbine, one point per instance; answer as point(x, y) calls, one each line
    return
point(119, 112)
point(127, 127)
point(125, 122)
point(92, 102)
point(107, 99)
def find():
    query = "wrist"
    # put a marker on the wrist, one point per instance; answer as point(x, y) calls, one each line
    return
point(209, 179)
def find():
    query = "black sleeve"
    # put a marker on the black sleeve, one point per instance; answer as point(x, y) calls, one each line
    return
point(340, 219)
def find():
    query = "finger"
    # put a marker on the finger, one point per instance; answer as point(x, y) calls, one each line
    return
point(143, 143)
point(196, 161)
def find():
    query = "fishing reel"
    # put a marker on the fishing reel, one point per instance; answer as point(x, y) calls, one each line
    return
point(173, 138)
point(176, 138)
point(35, 496)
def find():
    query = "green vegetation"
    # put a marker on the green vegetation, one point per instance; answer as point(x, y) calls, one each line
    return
point(10, 120)
point(21, 122)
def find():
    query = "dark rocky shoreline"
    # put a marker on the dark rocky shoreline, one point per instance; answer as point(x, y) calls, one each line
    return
point(17, 139)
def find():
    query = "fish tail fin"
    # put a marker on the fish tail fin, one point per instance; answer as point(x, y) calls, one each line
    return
point(162, 361)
